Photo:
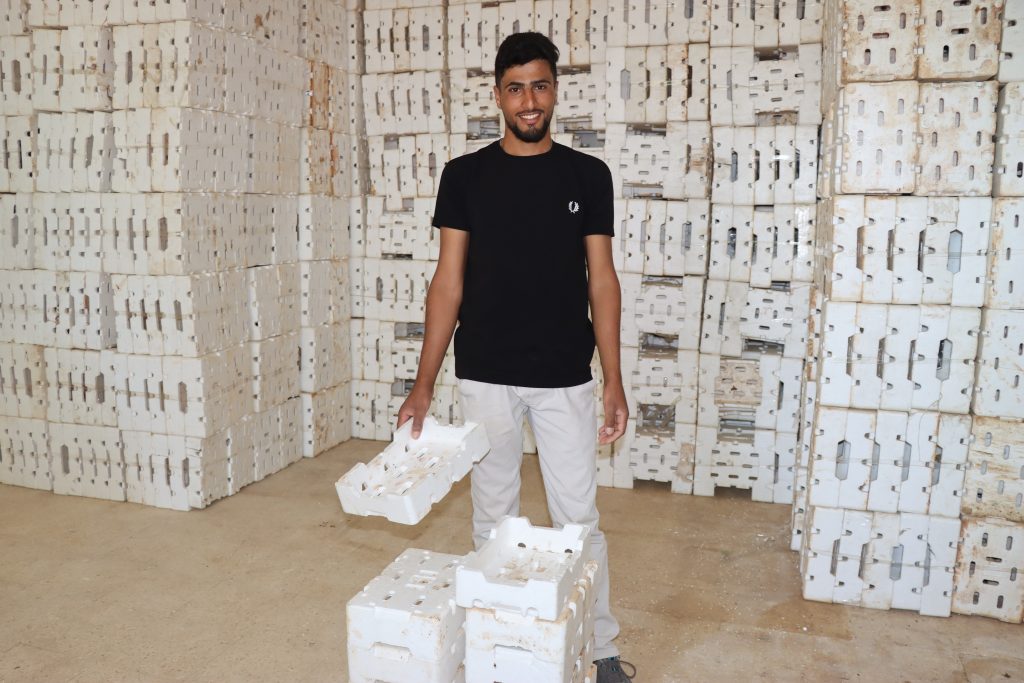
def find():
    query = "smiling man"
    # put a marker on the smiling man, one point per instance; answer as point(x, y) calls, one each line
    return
point(526, 227)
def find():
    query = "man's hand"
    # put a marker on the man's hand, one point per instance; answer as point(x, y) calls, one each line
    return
point(616, 412)
point(416, 406)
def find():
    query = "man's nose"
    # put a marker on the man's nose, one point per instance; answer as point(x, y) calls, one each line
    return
point(529, 99)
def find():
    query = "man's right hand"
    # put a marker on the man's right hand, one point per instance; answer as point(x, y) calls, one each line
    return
point(416, 407)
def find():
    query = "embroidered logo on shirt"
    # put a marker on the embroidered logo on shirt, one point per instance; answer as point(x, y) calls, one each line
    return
point(574, 207)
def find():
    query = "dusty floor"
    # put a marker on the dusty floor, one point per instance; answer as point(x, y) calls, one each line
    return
point(254, 588)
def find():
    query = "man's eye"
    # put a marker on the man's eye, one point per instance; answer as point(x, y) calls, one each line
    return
point(541, 87)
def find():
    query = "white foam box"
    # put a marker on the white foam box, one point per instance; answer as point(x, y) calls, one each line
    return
point(1006, 248)
point(275, 157)
point(404, 233)
point(275, 303)
point(910, 250)
point(175, 472)
point(87, 461)
point(183, 396)
point(67, 229)
point(29, 306)
point(18, 228)
point(1011, 67)
point(277, 27)
point(25, 453)
point(657, 373)
point(760, 389)
point(404, 625)
point(172, 234)
point(927, 362)
point(668, 306)
point(132, 13)
point(325, 358)
point(994, 485)
point(760, 460)
point(326, 97)
point(23, 384)
point(957, 126)
point(322, 166)
point(645, 162)
point(880, 560)
point(876, 128)
point(879, 44)
point(325, 292)
point(410, 103)
point(372, 417)
point(328, 418)
point(748, 85)
point(322, 223)
point(263, 82)
point(988, 570)
point(85, 310)
point(771, 164)
point(179, 64)
point(1008, 180)
point(889, 461)
point(274, 379)
point(14, 21)
point(656, 452)
point(17, 168)
point(65, 161)
point(1000, 366)
point(508, 646)
point(661, 238)
point(81, 386)
point(959, 42)
point(180, 314)
point(655, 84)
point(404, 481)
point(16, 87)
point(270, 229)
point(327, 32)
point(523, 568)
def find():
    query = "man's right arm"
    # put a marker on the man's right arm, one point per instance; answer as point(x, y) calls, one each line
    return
point(444, 297)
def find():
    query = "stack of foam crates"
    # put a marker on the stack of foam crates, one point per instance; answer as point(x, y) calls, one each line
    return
point(911, 497)
point(521, 609)
point(151, 286)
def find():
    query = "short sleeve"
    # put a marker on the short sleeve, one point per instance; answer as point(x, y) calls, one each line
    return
point(600, 219)
point(450, 208)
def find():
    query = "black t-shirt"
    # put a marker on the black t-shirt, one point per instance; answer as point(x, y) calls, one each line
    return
point(524, 317)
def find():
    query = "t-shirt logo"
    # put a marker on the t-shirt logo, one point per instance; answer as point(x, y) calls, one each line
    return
point(574, 207)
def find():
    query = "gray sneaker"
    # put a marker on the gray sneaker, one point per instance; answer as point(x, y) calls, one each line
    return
point(609, 670)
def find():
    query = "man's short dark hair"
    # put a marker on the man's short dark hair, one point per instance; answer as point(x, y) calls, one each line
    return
point(523, 48)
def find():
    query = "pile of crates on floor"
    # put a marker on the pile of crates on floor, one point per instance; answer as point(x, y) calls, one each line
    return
point(521, 609)
point(173, 307)
point(912, 470)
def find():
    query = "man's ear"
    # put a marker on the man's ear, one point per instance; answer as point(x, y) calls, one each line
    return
point(497, 94)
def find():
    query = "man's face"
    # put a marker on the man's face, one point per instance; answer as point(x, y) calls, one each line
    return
point(527, 99)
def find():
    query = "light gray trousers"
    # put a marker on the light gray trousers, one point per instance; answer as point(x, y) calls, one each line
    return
point(564, 423)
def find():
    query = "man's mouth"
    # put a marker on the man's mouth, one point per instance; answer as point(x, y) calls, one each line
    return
point(531, 118)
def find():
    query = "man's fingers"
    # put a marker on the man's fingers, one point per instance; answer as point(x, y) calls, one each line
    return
point(417, 426)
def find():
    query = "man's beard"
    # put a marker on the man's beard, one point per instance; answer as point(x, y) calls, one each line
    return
point(531, 134)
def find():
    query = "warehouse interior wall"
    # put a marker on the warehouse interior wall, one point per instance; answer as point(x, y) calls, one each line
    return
point(217, 245)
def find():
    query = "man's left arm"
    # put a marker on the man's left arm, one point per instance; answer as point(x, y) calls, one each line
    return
point(605, 309)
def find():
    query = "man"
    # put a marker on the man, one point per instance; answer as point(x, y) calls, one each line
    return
point(526, 228)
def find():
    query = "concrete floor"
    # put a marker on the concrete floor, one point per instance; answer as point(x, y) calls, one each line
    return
point(254, 588)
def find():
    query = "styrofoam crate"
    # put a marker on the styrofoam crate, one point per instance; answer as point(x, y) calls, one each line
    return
point(927, 362)
point(656, 83)
point(263, 83)
point(69, 231)
point(1005, 249)
point(532, 570)
point(402, 233)
point(1011, 66)
point(176, 472)
point(994, 485)
point(188, 315)
point(23, 385)
point(327, 98)
point(172, 234)
point(14, 18)
point(16, 83)
point(18, 227)
point(87, 461)
point(908, 250)
point(748, 22)
point(653, 451)
point(322, 223)
point(29, 306)
point(873, 42)
point(749, 86)
point(275, 300)
point(774, 164)
point(328, 34)
point(325, 359)
point(85, 310)
point(785, 237)
point(274, 379)
point(756, 459)
point(25, 453)
point(645, 162)
point(404, 625)
point(959, 42)
point(404, 481)
point(276, 26)
point(762, 390)
point(888, 461)
point(81, 386)
point(328, 418)
point(880, 560)
point(876, 127)
point(19, 137)
point(410, 102)
point(664, 306)
point(659, 374)
point(957, 122)
point(75, 152)
point(1008, 179)
point(508, 646)
point(988, 571)
point(1000, 365)
point(324, 292)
